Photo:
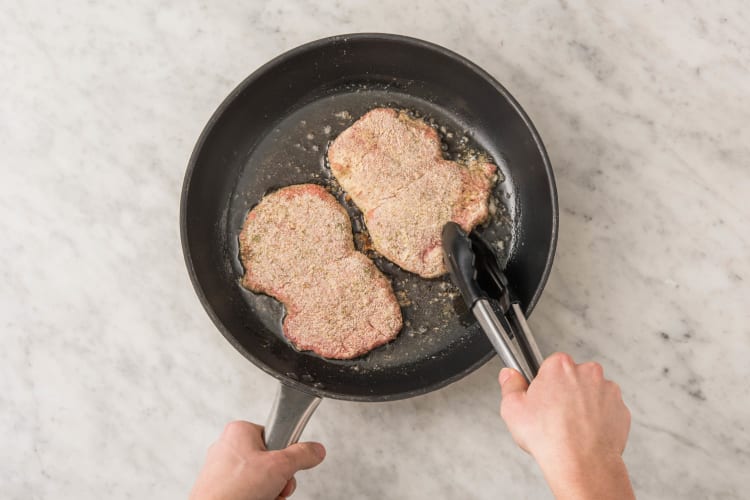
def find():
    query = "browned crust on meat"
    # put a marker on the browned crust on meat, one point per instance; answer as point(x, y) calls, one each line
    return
point(392, 167)
point(296, 245)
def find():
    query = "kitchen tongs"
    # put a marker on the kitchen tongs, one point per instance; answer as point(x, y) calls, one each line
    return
point(475, 269)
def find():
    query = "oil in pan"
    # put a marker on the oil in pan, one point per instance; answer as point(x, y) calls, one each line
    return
point(431, 308)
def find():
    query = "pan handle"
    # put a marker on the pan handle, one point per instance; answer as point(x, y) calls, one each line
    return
point(290, 412)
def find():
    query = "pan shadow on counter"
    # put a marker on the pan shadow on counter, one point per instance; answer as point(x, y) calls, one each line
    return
point(425, 431)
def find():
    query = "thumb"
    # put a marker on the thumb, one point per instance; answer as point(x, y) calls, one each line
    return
point(304, 455)
point(511, 381)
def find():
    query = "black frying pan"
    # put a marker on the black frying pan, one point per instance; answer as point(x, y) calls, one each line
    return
point(273, 131)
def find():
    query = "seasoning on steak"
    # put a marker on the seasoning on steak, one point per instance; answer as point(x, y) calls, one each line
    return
point(296, 246)
point(393, 168)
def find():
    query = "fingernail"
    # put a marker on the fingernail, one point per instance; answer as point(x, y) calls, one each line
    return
point(319, 450)
point(504, 375)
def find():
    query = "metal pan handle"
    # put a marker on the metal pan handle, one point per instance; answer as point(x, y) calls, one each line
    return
point(289, 415)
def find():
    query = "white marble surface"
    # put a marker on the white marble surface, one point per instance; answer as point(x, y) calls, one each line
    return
point(113, 381)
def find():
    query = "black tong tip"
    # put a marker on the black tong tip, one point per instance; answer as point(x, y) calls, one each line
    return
point(474, 267)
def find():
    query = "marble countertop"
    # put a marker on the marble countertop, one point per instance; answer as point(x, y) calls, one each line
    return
point(113, 380)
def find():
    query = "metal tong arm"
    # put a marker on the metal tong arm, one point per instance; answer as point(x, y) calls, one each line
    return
point(504, 342)
point(525, 337)
point(508, 331)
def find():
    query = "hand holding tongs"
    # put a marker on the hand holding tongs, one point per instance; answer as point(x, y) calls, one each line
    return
point(475, 270)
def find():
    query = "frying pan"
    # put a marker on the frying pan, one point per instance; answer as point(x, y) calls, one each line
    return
point(273, 130)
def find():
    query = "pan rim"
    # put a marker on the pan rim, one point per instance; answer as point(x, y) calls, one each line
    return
point(247, 82)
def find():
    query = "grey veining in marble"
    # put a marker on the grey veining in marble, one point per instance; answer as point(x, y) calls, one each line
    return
point(113, 381)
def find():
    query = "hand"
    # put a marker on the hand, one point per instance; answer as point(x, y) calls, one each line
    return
point(238, 467)
point(574, 423)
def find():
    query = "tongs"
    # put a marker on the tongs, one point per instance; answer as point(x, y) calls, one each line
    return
point(475, 269)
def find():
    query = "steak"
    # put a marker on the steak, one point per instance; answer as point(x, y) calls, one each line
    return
point(296, 246)
point(393, 168)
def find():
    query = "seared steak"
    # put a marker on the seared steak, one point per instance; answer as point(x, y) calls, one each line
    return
point(296, 245)
point(393, 168)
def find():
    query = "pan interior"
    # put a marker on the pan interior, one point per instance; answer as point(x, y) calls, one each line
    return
point(273, 130)
point(294, 152)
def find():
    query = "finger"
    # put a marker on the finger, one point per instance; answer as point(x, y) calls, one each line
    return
point(511, 381)
point(592, 368)
point(560, 359)
point(303, 456)
point(245, 436)
point(615, 390)
point(291, 485)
